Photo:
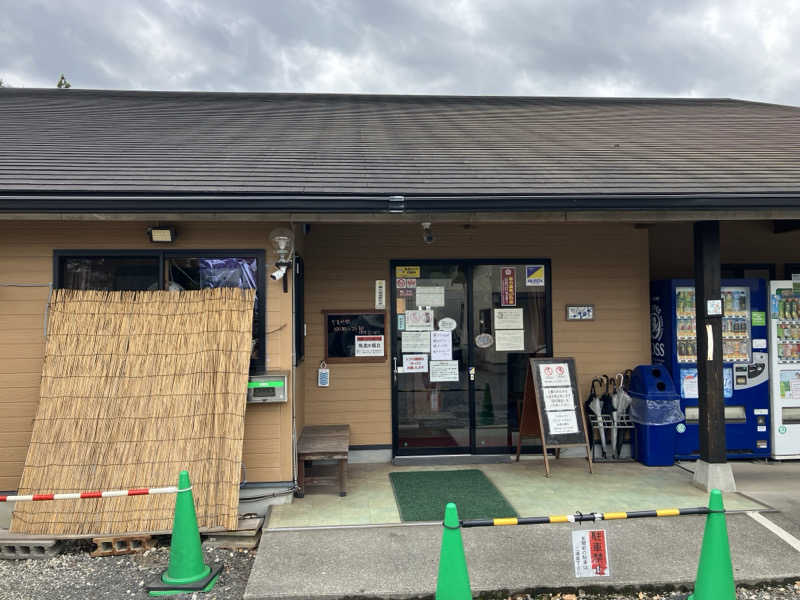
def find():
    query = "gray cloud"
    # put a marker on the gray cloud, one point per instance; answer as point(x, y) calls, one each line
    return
point(731, 48)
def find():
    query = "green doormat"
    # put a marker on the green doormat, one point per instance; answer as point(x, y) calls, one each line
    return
point(422, 495)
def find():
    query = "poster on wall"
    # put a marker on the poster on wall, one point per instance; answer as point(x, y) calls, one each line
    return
point(444, 370)
point(508, 318)
point(380, 294)
point(415, 363)
point(416, 341)
point(419, 320)
point(441, 345)
point(508, 286)
point(369, 345)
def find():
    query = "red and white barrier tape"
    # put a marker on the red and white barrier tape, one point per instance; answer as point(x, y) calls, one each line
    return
point(83, 495)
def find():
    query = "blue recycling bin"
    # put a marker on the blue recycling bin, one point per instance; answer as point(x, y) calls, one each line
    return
point(652, 387)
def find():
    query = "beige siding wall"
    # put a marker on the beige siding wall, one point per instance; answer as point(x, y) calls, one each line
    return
point(672, 247)
point(26, 256)
point(606, 265)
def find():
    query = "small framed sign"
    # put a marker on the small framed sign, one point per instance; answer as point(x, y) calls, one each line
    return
point(580, 312)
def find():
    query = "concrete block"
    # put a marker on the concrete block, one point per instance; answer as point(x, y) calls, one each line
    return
point(369, 456)
point(121, 544)
point(235, 540)
point(714, 476)
point(6, 510)
point(23, 549)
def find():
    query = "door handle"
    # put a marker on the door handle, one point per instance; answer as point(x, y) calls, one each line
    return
point(394, 369)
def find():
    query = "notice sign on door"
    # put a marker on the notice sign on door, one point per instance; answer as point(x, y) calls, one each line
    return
point(407, 271)
point(369, 345)
point(508, 286)
point(444, 370)
point(419, 320)
point(441, 345)
point(415, 363)
point(534, 275)
point(590, 553)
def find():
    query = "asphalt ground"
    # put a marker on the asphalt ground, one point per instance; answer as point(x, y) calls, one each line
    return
point(402, 561)
point(775, 484)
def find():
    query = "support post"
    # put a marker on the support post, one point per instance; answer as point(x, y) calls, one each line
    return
point(712, 470)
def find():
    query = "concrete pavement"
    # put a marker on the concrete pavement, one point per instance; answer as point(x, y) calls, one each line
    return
point(402, 561)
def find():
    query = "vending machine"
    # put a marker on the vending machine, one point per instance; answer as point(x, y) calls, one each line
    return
point(784, 333)
point(744, 355)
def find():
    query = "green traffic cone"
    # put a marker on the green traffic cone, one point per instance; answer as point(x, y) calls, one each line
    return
point(453, 581)
point(715, 571)
point(186, 571)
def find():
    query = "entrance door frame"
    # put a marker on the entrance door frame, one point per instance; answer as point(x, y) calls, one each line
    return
point(469, 264)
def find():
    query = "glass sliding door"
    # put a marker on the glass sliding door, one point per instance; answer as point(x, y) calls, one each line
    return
point(432, 408)
point(463, 332)
point(509, 312)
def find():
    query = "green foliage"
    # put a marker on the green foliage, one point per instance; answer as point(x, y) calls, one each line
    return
point(63, 83)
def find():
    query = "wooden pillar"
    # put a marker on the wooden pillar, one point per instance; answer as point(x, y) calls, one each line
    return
point(709, 341)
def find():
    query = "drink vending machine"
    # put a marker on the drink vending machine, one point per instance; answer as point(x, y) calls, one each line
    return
point(784, 331)
point(744, 355)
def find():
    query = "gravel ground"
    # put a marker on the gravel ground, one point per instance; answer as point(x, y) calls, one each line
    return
point(74, 575)
point(773, 592)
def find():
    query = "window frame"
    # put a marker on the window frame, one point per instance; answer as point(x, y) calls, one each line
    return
point(257, 367)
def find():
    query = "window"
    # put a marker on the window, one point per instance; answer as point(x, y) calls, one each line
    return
point(110, 273)
point(175, 270)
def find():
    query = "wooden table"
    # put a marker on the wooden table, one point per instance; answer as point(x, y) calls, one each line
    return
point(323, 442)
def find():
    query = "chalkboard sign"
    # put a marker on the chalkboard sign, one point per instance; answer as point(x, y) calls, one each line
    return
point(552, 408)
point(355, 336)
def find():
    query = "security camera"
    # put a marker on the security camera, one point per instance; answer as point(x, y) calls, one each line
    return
point(427, 234)
point(278, 273)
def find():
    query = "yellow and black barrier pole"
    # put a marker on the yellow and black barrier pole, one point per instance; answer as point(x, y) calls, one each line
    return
point(714, 572)
point(589, 517)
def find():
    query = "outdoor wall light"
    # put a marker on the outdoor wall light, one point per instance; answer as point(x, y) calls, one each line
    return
point(282, 241)
point(427, 234)
point(161, 235)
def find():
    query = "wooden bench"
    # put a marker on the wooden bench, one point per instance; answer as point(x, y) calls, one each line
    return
point(323, 442)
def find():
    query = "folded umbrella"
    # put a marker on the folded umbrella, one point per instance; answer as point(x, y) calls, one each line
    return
point(592, 405)
point(606, 408)
point(621, 401)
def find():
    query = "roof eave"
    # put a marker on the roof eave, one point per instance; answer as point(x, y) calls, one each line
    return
point(84, 202)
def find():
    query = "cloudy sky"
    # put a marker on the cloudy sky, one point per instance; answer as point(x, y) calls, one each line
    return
point(746, 49)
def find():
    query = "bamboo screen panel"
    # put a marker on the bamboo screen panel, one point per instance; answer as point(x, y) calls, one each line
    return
point(135, 387)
